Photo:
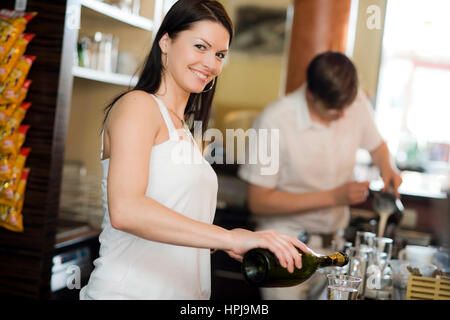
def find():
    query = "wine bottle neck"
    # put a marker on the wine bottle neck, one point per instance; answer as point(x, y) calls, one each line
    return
point(335, 259)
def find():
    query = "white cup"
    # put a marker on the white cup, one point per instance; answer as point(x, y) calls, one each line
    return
point(419, 254)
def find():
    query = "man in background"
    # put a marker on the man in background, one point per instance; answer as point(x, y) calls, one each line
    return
point(321, 126)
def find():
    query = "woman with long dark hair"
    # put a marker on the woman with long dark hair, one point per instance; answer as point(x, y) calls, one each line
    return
point(157, 230)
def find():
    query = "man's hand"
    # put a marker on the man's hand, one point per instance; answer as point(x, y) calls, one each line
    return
point(391, 178)
point(351, 193)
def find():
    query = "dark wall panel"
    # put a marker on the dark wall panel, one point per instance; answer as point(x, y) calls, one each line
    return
point(25, 258)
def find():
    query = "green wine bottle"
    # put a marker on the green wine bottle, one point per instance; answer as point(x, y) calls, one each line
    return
point(261, 268)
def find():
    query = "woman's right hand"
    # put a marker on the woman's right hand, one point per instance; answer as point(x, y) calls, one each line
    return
point(283, 246)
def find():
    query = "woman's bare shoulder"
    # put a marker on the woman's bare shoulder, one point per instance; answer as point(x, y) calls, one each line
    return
point(136, 99)
point(136, 105)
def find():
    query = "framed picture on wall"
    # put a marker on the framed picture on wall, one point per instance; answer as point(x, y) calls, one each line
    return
point(259, 30)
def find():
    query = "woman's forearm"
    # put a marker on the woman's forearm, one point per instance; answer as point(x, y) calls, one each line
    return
point(149, 219)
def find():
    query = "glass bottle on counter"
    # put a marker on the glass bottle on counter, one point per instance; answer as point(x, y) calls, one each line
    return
point(261, 268)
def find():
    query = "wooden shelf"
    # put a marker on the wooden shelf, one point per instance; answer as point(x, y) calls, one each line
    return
point(117, 14)
point(107, 77)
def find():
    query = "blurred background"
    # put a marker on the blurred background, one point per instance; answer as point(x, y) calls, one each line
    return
point(89, 51)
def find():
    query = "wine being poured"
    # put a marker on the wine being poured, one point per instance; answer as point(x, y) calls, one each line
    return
point(342, 293)
point(343, 287)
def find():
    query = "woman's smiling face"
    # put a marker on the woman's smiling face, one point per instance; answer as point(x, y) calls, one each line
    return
point(195, 56)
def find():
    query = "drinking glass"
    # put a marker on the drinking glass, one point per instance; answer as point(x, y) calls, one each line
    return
point(383, 244)
point(364, 240)
point(358, 264)
point(343, 287)
point(383, 248)
point(442, 259)
point(399, 278)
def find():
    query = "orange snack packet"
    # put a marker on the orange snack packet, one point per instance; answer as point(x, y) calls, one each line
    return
point(12, 57)
point(7, 188)
point(11, 87)
point(12, 24)
point(6, 194)
point(21, 188)
point(11, 215)
point(8, 35)
point(6, 164)
point(18, 19)
point(19, 96)
point(19, 164)
point(21, 135)
point(13, 143)
point(6, 110)
point(5, 134)
point(13, 122)
point(9, 218)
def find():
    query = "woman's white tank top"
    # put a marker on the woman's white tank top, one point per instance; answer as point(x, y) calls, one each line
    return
point(130, 267)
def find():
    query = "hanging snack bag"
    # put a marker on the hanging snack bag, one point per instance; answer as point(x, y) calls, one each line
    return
point(6, 110)
point(12, 24)
point(10, 60)
point(18, 166)
point(8, 35)
point(21, 135)
point(13, 143)
point(22, 92)
point(7, 215)
point(19, 96)
point(21, 187)
point(18, 19)
point(8, 188)
point(6, 135)
point(6, 164)
point(11, 87)
point(6, 194)
point(11, 215)
point(13, 122)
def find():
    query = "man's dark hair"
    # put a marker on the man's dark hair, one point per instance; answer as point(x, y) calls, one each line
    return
point(332, 79)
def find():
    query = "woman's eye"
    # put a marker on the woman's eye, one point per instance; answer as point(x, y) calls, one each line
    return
point(200, 46)
point(221, 55)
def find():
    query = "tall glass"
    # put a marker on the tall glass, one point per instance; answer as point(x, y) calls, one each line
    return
point(343, 287)
point(364, 240)
point(383, 252)
point(378, 274)
point(399, 279)
point(359, 262)
point(384, 245)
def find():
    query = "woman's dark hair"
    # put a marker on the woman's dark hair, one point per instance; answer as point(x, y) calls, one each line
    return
point(180, 17)
point(332, 79)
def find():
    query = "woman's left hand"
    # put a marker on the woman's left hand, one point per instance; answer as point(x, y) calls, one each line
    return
point(283, 246)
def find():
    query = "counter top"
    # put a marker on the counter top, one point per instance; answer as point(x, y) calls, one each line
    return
point(417, 184)
point(72, 232)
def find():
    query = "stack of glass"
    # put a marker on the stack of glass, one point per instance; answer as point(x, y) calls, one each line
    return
point(369, 261)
